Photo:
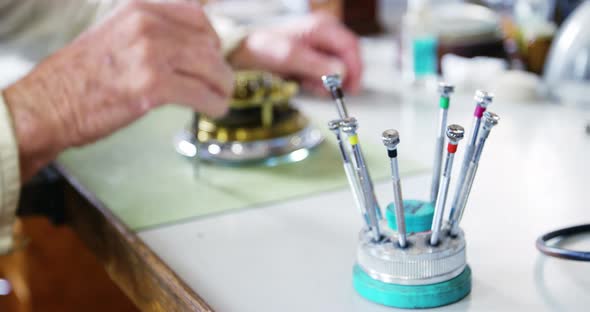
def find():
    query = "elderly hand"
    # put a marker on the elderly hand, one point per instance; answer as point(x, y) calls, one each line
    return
point(146, 55)
point(305, 49)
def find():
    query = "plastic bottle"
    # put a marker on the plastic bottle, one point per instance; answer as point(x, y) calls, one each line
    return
point(419, 45)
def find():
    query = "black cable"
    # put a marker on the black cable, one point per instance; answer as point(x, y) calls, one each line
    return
point(562, 252)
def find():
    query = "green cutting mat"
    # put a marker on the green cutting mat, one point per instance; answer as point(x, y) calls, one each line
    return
point(138, 175)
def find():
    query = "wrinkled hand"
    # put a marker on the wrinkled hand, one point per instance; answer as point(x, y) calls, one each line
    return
point(305, 49)
point(145, 55)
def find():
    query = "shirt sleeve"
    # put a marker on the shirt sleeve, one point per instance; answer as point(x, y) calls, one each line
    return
point(37, 28)
point(9, 178)
point(230, 33)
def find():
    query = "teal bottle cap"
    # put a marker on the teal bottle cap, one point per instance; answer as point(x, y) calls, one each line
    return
point(418, 215)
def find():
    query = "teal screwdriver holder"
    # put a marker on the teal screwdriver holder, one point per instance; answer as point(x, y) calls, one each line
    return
point(417, 276)
point(418, 216)
point(423, 263)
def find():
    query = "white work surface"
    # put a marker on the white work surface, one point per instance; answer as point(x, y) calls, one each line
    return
point(297, 255)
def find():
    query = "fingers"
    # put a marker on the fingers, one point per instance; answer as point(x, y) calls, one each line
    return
point(309, 64)
point(331, 36)
point(198, 75)
point(314, 87)
point(189, 91)
point(175, 52)
point(197, 57)
point(172, 73)
point(186, 14)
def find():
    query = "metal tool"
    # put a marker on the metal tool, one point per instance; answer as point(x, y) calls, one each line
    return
point(391, 140)
point(455, 134)
point(333, 83)
point(482, 100)
point(350, 126)
point(445, 91)
point(357, 194)
point(489, 121)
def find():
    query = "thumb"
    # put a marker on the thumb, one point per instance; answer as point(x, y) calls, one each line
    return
point(309, 64)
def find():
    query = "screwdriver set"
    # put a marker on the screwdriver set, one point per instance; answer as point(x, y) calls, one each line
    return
point(414, 258)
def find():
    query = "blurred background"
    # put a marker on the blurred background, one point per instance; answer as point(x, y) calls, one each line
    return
point(528, 49)
point(502, 45)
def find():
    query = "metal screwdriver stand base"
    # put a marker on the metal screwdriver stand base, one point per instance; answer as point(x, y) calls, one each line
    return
point(418, 276)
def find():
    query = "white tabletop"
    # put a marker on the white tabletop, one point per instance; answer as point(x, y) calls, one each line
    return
point(298, 255)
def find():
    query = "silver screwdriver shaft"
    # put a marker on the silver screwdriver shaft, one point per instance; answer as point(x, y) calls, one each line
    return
point(391, 140)
point(350, 126)
point(455, 134)
point(445, 91)
point(489, 121)
point(334, 126)
point(482, 100)
point(333, 83)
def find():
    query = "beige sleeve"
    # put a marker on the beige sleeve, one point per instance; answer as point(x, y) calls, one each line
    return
point(230, 33)
point(37, 28)
point(9, 178)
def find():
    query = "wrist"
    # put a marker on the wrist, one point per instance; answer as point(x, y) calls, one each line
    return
point(36, 127)
point(241, 57)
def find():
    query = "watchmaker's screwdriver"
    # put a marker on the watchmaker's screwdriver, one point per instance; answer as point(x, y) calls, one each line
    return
point(445, 91)
point(489, 121)
point(333, 83)
point(349, 126)
point(391, 140)
point(482, 100)
point(455, 133)
point(334, 126)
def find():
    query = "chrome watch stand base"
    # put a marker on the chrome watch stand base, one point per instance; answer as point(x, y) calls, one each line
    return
point(290, 148)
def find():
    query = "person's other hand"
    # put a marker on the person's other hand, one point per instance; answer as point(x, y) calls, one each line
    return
point(145, 55)
point(305, 49)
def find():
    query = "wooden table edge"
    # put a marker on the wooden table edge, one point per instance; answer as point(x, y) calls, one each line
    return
point(130, 263)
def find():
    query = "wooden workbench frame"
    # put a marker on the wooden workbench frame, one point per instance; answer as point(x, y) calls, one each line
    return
point(132, 265)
